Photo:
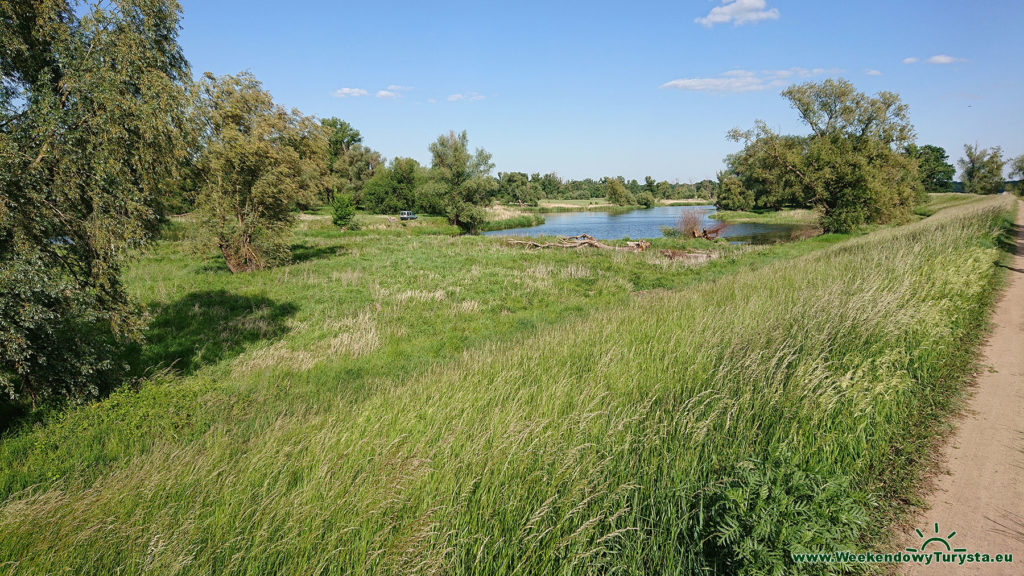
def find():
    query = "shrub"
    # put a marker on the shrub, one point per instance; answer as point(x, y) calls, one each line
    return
point(343, 211)
point(646, 199)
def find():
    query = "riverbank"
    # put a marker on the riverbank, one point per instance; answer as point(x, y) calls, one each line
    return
point(459, 403)
point(789, 216)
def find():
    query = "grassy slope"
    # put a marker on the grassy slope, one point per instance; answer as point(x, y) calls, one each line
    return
point(397, 400)
point(787, 216)
point(936, 202)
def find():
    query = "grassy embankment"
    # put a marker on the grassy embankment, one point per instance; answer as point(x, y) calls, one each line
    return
point(401, 403)
point(505, 217)
point(788, 216)
point(936, 202)
point(931, 205)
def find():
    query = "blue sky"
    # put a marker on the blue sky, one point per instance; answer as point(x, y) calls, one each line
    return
point(591, 89)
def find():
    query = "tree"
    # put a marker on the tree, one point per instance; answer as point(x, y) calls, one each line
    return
point(546, 186)
point(392, 189)
point(732, 195)
point(852, 167)
point(461, 182)
point(981, 169)
point(343, 211)
point(257, 161)
point(1017, 172)
point(93, 122)
point(354, 168)
point(663, 190)
point(767, 167)
point(616, 193)
point(936, 173)
point(646, 199)
point(517, 187)
point(341, 138)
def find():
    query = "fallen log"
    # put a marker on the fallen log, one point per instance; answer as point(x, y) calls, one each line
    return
point(584, 241)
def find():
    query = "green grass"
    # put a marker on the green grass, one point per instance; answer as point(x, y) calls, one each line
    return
point(524, 221)
point(410, 401)
point(936, 202)
point(787, 216)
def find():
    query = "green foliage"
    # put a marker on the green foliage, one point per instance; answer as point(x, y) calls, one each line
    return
point(646, 199)
point(392, 189)
point(343, 210)
point(517, 188)
point(258, 161)
point(935, 171)
point(981, 169)
point(546, 186)
point(353, 169)
point(616, 193)
point(732, 194)
point(769, 168)
point(851, 167)
point(93, 127)
point(1017, 173)
point(461, 182)
point(756, 514)
point(1017, 167)
point(341, 138)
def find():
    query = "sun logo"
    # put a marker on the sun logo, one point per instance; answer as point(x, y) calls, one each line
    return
point(938, 540)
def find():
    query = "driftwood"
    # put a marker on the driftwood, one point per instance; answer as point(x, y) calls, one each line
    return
point(584, 241)
point(710, 233)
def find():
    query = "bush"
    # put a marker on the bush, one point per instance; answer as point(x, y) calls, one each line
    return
point(343, 210)
point(646, 199)
point(617, 193)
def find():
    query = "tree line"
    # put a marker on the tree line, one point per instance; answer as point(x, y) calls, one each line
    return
point(859, 164)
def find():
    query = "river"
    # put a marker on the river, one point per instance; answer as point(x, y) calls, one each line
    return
point(647, 223)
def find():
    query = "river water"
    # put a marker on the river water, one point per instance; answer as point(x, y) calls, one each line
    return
point(647, 223)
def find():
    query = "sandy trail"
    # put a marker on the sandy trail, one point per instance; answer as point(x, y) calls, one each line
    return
point(982, 497)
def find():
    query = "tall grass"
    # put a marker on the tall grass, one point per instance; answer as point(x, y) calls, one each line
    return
point(713, 430)
point(520, 221)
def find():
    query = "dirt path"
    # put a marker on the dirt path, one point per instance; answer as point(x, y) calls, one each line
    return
point(982, 497)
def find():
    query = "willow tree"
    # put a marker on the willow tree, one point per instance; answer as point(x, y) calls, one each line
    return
point(258, 160)
point(853, 167)
point(92, 122)
point(981, 169)
point(460, 181)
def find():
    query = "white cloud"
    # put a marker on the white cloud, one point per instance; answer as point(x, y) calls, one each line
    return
point(346, 92)
point(398, 88)
point(944, 59)
point(872, 72)
point(467, 97)
point(746, 80)
point(387, 94)
point(937, 59)
point(738, 12)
